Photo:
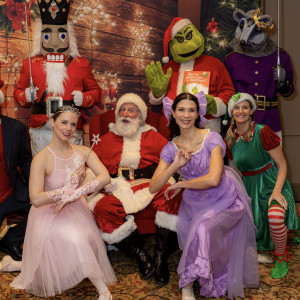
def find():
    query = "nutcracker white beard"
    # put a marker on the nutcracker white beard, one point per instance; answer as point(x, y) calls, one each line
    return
point(56, 75)
point(127, 127)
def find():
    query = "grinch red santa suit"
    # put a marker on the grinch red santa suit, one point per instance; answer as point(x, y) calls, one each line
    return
point(135, 157)
point(186, 45)
point(57, 70)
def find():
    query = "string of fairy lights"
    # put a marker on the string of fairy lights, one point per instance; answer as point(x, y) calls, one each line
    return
point(92, 12)
point(140, 35)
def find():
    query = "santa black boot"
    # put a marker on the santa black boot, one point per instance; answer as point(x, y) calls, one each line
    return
point(132, 246)
point(166, 243)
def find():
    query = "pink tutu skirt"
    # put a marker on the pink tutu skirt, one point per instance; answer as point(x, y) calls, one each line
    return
point(60, 250)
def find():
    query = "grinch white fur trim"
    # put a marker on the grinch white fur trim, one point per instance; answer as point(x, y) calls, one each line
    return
point(221, 107)
point(178, 26)
point(165, 220)
point(186, 66)
point(165, 59)
point(213, 124)
point(155, 101)
point(132, 202)
point(120, 233)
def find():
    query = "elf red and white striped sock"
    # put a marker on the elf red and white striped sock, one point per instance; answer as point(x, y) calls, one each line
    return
point(277, 228)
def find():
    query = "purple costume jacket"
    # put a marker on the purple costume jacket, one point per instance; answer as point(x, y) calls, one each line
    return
point(254, 75)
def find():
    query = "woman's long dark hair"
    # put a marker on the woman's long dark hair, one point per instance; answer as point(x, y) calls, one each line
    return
point(173, 126)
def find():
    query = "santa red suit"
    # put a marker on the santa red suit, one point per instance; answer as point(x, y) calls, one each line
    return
point(127, 197)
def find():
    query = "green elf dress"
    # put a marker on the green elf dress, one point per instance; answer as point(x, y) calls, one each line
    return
point(259, 176)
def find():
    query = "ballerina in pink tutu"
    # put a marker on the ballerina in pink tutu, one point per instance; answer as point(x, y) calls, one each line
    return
point(63, 244)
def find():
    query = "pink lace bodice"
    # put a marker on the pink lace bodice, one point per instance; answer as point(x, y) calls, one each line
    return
point(62, 171)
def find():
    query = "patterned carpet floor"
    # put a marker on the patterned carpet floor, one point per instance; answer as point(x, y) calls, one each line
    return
point(129, 285)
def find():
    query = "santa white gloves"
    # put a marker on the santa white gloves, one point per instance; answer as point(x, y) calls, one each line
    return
point(28, 94)
point(78, 98)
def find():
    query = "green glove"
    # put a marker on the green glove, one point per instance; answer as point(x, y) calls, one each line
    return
point(157, 80)
point(211, 107)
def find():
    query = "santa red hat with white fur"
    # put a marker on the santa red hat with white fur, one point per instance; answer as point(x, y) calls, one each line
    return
point(176, 25)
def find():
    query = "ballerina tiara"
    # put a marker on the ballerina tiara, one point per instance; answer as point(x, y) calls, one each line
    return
point(68, 108)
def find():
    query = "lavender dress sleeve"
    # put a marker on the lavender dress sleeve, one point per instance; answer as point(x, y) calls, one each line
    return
point(168, 153)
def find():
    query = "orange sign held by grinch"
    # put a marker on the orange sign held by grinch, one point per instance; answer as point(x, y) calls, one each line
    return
point(195, 82)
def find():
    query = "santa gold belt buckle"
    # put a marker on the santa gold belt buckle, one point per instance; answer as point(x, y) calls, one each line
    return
point(52, 104)
point(129, 169)
point(260, 99)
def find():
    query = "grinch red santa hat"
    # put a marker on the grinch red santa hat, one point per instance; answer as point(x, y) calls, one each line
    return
point(176, 25)
point(136, 100)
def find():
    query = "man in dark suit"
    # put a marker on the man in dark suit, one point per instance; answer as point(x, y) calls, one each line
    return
point(15, 161)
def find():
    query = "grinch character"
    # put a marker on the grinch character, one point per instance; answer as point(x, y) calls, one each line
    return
point(186, 45)
point(254, 69)
point(59, 75)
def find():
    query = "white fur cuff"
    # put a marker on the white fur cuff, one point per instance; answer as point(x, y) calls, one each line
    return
point(165, 220)
point(221, 107)
point(120, 233)
point(155, 101)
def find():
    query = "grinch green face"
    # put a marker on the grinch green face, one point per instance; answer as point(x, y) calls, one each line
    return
point(187, 44)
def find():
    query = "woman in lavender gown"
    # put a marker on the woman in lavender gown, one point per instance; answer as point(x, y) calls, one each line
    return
point(215, 226)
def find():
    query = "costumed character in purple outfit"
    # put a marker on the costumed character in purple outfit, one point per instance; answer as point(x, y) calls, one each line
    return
point(59, 75)
point(63, 244)
point(215, 225)
point(186, 45)
point(252, 66)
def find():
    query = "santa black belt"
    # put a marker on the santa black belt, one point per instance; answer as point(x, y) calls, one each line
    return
point(130, 173)
point(39, 108)
point(263, 103)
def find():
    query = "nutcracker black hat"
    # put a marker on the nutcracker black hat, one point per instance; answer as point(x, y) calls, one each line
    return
point(54, 12)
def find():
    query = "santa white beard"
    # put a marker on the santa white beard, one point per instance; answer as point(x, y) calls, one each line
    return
point(55, 77)
point(129, 128)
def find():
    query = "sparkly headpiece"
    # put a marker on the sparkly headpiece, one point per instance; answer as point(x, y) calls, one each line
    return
point(54, 12)
point(263, 26)
point(68, 108)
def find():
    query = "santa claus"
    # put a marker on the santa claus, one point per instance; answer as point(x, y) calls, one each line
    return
point(58, 73)
point(131, 151)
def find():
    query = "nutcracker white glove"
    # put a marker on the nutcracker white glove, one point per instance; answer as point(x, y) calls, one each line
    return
point(78, 98)
point(28, 94)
